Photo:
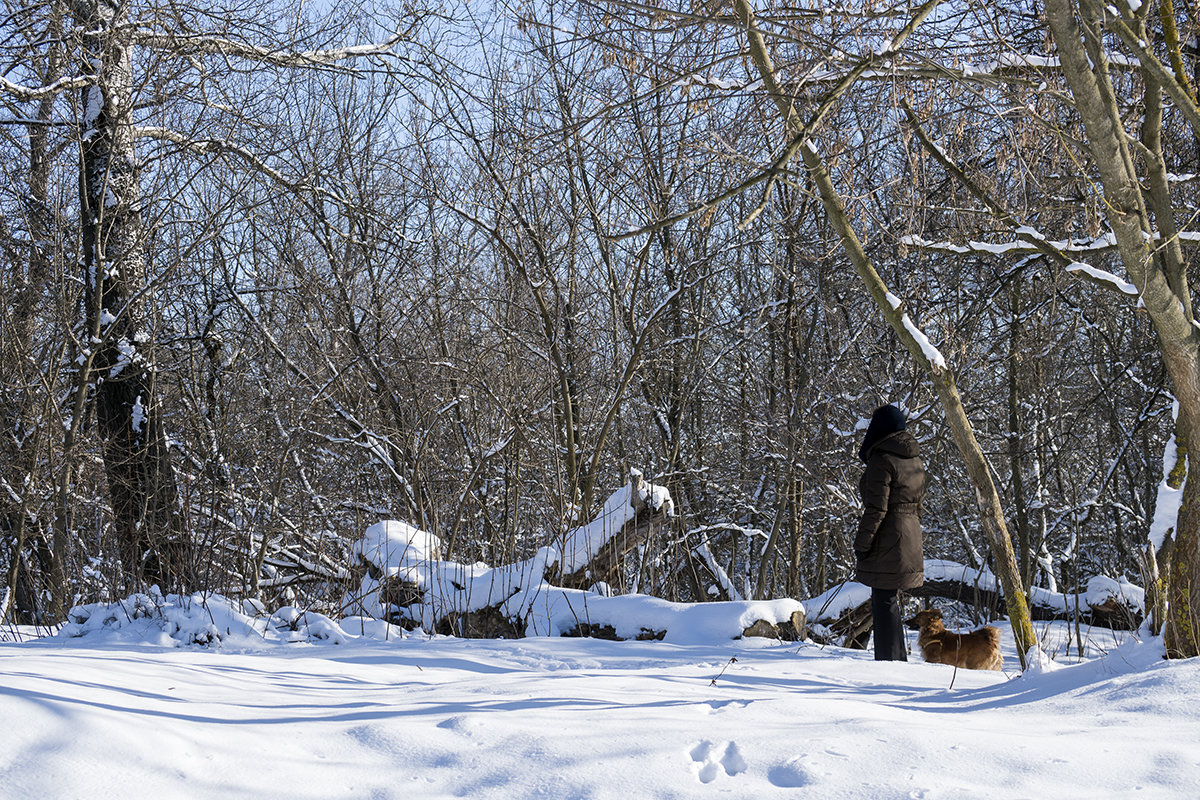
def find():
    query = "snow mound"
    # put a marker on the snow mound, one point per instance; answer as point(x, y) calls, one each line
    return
point(391, 544)
point(1038, 662)
point(201, 620)
point(1102, 589)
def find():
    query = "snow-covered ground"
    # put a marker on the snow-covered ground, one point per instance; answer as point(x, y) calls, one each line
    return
point(417, 717)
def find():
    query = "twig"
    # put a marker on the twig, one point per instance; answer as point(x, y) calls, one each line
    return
point(732, 660)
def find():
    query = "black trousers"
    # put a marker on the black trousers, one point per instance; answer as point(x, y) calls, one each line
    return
point(889, 631)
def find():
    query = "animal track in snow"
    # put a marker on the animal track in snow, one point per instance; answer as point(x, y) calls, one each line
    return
point(711, 760)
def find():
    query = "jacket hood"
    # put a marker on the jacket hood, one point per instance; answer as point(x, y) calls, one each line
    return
point(885, 421)
point(901, 443)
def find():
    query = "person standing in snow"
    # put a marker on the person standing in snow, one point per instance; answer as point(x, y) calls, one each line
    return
point(888, 543)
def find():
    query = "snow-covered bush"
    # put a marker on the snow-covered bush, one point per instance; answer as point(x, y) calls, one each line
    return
point(208, 621)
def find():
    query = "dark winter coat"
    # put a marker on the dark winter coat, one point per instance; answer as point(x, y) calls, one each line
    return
point(888, 542)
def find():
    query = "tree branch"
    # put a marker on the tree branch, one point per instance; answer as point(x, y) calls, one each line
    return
point(38, 92)
point(1031, 239)
point(1169, 80)
point(801, 133)
point(220, 46)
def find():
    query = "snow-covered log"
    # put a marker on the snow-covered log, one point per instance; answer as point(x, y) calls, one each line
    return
point(841, 616)
point(1106, 602)
point(403, 580)
point(593, 553)
point(571, 612)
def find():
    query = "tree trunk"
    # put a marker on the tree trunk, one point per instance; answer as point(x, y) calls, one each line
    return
point(1015, 440)
point(141, 483)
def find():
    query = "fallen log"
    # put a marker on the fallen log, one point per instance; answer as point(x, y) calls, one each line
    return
point(594, 553)
point(1105, 603)
point(591, 630)
point(841, 616)
point(852, 628)
point(401, 578)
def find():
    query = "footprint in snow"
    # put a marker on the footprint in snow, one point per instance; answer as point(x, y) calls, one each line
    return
point(791, 774)
point(710, 760)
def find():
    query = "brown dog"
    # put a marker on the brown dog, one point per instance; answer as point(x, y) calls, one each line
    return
point(978, 649)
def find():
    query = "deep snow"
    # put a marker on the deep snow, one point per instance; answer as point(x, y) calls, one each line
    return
point(119, 715)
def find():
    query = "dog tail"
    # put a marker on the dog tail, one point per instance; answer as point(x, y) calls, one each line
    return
point(993, 638)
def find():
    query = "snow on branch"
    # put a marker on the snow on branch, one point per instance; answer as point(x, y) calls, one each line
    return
point(931, 353)
point(1099, 244)
point(1095, 275)
point(1104, 278)
point(38, 92)
point(1021, 62)
point(223, 147)
point(1016, 247)
point(720, 84)
point(928, 349)
point(1019, 68)
point(818, 76)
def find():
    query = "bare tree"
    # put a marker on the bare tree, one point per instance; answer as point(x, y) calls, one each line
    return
point(124, 54)
point(1143, 223)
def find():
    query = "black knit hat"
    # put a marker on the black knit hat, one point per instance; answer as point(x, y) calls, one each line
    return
point(885, 421)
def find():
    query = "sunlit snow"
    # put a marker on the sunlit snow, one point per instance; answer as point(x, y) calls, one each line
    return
point(297, 706)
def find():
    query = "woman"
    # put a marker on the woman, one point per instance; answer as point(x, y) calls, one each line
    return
point(888, 542)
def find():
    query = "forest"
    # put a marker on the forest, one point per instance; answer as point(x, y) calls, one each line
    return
point(274, 272)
